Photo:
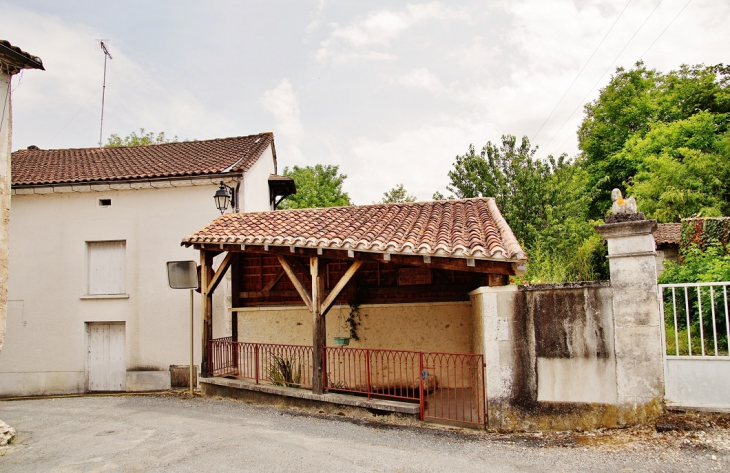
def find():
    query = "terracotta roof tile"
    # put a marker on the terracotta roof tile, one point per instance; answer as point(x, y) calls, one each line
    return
point(471, 228)
point(668, 233)
point(188, 158)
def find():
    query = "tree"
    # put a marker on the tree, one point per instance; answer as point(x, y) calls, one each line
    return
point(544, 202)
point(143, 139)
point(397, 194)
point(629, 107)
point(684, 168)
point(509, 173)
point(317, 186)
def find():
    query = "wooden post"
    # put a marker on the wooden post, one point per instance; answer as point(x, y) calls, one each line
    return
point(206, 270)
point(319, 327)
point(235, 295)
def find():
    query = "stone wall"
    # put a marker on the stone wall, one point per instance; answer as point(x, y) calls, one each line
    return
point(583, 355)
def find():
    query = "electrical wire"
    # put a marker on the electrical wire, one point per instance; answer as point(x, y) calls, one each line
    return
point(665, 29)
point(581, 71)
point(642, 56)
point(604, 73)
point(74, 116)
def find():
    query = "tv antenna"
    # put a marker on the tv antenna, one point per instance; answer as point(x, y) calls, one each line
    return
point(107, 54)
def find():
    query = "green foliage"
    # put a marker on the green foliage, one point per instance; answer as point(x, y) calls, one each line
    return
point(438, 196)
point(352, 321)
point(285, 372)
point(684, 168)
point(709, 265)
point(317, 186)
point(545, 204)
point(640, 101)
point(143, 139)
point(397, 194)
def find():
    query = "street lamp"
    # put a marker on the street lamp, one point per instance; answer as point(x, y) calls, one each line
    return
point(223, 198)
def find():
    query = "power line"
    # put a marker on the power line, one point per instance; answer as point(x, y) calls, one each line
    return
point(665, 29)
point(581, 71)
point(74, 116)
point(642, 56)
point(604, 73)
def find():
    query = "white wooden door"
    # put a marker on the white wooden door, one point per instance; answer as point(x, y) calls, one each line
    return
point(107, 363)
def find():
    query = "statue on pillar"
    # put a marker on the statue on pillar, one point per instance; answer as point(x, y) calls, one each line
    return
point(623, 210)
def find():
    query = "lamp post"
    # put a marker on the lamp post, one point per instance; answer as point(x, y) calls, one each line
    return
point(224, 197)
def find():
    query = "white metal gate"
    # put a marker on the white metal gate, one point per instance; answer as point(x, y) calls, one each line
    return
point(107, 363)
point(696, 338)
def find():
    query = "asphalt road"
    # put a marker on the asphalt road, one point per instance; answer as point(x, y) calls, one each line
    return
point(167, 433)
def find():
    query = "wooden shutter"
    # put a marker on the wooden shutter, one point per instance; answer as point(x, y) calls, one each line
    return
point(106, 271)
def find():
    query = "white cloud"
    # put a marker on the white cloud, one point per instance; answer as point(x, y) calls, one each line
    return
point(60, 107)
point(282, 103)
point(378, 28)
point(422, 78)
point(420, 158)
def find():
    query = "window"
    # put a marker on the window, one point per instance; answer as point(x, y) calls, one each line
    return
point(105, 202)
point(106, 268)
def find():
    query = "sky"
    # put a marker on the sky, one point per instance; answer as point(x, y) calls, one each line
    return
point(389, 91)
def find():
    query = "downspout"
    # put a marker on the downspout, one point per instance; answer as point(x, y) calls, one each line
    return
point(238, 194)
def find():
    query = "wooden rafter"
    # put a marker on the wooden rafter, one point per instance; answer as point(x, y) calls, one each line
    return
point(296, 281)
point(339, 286)
point(218, 276)
point(272, 282)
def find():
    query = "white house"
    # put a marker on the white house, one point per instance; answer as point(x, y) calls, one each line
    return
point(89, 304)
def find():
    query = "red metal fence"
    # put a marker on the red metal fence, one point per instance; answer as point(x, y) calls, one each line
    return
point(448, 386)
point(283, 365)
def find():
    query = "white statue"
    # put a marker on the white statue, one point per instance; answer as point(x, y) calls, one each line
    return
point(621, 205)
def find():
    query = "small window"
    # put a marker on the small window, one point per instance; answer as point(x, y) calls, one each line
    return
point(106, 273)
point(105, 202)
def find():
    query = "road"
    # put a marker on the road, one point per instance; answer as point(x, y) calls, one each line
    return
point(170, 433)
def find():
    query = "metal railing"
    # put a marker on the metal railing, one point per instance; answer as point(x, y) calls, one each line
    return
point(696, 319)
point(447, 386)
point(283, 365)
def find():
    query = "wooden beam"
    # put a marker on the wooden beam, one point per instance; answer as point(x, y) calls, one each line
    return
point(272, 282)
point(339, 286)
point(218, 276)
point(439, 262)
point(206, 269)
point(298, 284)
point(235, 297)
point(319, 327)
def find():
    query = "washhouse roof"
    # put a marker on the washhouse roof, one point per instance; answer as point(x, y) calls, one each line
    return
point(469, 228)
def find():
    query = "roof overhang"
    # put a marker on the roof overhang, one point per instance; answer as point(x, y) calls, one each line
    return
point(17, 58)
point(455, 263)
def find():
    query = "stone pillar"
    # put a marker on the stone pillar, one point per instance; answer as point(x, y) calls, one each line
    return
point(637, 317)
point(493, 312)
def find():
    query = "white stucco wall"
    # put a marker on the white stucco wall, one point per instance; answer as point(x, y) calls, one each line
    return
point(45, 351)
point(255, 185)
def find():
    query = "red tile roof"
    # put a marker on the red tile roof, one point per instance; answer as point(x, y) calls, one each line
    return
point(667, 233)
point(471, 228)
point(18, 58)
point(188, 158)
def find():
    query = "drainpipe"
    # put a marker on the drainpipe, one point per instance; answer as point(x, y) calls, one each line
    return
point(238, 194)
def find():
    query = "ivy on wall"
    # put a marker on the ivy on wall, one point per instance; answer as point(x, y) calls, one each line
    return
point(705, 233)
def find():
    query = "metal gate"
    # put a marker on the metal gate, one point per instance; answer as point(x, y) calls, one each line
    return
point(448, 386)
point(696, 342)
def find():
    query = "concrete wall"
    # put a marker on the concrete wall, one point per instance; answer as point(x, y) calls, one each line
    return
point(445, 326)
point(582, 355)
point(5, 139)
point(45, 348)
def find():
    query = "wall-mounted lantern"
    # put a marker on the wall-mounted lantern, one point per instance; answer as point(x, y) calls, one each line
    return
point(224, 197)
